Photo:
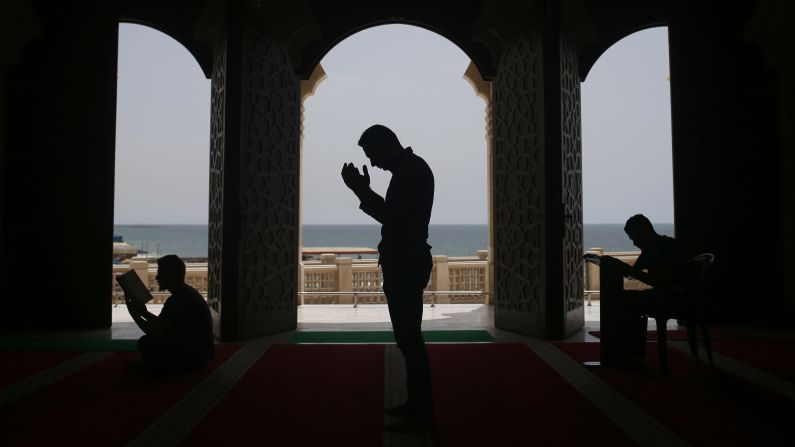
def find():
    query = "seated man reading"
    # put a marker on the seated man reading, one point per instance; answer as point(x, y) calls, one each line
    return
point(662, 264)
point(181, 337)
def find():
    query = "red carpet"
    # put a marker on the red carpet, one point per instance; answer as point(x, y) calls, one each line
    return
point(701, 406)
point(503, 394)
point(775, 356)
point(681, 334)
point(302, 395)
point(20, 365)
point(332, 395)
point(99, 405)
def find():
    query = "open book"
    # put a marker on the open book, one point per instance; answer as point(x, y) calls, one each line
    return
point(135, 290)
point(625, 269)
point(592, 257)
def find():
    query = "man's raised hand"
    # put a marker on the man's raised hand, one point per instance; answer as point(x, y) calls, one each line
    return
point(353, 179)
point(134, 309)
point(366, 175)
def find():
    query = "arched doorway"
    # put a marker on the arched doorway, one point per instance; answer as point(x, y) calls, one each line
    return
point(536, 192)
point(161, 182)
point(417, 83)
point(627, 152)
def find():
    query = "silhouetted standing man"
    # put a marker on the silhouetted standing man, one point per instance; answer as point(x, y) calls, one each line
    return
point(405, 256)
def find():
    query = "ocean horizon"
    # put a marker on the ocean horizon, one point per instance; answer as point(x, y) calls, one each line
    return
point(190, 240)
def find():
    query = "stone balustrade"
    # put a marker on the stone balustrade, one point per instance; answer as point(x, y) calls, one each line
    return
point(342, 280)
point(195, 276)
point(327, 280)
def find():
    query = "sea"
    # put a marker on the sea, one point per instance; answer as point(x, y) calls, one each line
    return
point(450, 240)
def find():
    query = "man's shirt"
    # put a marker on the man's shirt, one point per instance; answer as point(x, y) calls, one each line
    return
point(405, 211)
point(665, 261)
point(190, 321)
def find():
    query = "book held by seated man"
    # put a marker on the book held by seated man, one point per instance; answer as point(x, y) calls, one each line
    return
point(134, 289)
point(594, 258)
point(626, 269)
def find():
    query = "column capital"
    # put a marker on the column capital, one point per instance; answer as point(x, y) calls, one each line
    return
point(309, 86)
point(481, 86)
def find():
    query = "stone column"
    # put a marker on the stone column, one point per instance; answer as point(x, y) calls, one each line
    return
point(345, 279)
point(487, 280)
point(442, 280)
point(566, 150)
point(592, 274)
point(57, 163)
point(770, 28)
point(483, 90)
point(518, 176)
point(727, 155)
point(254, 181)
point(301, 283)
point(537, 180)
point(308, 89)
point(141, 268)
point(16, 16)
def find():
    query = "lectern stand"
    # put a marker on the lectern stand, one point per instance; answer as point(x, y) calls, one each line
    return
point(623, 332)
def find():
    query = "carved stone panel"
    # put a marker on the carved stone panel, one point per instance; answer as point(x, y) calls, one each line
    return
point(571, 149)
point(518, 195)
point(268, 185)
point(254, 172)
point(215, 227)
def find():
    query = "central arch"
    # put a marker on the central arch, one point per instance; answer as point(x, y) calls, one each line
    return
point(445, 129)
point(536, 192)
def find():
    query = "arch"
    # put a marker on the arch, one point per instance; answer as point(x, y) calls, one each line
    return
point(162, 105)
point(315, 54)
point(322, 25)
point(596, 50)
point(200, 51)
point(409, 42)
point(631, 79)
point(615, 20)
point(406, 44)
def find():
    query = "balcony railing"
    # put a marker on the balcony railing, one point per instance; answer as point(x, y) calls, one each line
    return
point(333, 280)
point(342, 280)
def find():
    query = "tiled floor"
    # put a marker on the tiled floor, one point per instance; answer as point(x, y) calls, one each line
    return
point(376, 317)
point(363, 317)
point(332, 317)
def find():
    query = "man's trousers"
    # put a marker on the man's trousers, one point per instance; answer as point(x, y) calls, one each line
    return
point(403, 285)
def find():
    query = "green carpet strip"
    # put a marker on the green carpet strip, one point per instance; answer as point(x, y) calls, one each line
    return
point(66, 344)
point(466, 336)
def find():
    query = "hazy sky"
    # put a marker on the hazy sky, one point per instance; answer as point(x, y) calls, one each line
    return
point(626, 132)
point(408, 79)
point(162, 131)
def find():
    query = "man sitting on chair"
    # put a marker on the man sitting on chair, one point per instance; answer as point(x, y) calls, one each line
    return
point(181, 337)
point(662, 264)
